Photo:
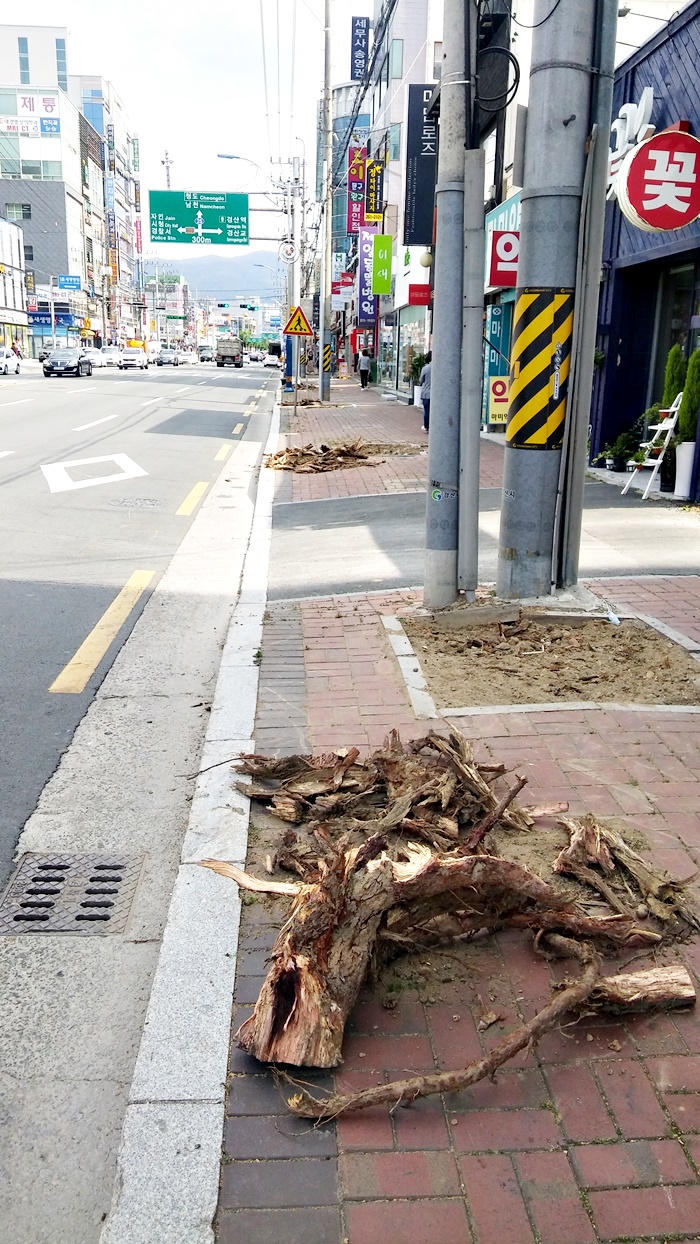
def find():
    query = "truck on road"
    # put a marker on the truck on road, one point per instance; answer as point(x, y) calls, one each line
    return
point(229, 351)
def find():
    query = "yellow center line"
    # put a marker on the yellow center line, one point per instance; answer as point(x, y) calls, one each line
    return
point(77, 673)
point(238, 428)
point(224, 451)
point(192, 499)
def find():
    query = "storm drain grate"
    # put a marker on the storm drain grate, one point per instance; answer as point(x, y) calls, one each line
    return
point(137, 503)
point(86, 894)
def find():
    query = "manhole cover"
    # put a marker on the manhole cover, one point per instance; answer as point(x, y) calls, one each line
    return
point(86, 894)
point(137, 503)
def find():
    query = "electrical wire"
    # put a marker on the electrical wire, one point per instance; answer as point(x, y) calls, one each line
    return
point(264, 63)
point(510, 92)
point(279, 93)
point(291, 86)
point(536, 25)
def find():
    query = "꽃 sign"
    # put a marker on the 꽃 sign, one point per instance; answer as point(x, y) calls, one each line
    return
point(658, 185)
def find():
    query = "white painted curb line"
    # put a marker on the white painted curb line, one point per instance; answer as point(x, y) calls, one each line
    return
point(167, 1184)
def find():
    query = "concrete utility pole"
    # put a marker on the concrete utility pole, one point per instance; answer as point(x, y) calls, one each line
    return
point(555, 155)
point(324, 336)
point(575, 449)
point(167, 162)
point(442, 511)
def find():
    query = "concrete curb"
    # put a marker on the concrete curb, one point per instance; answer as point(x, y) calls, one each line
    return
point(169, 1159)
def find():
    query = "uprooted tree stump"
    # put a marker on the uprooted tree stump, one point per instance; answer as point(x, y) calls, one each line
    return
point(394, 858)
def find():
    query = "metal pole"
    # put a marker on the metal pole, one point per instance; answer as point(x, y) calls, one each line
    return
point(53, 313)
point(442, 510)
point(472, 372)
point(558, 111)
point(324, 362)
point(587, 297)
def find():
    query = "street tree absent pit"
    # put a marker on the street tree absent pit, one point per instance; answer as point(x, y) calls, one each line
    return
point(528, 662)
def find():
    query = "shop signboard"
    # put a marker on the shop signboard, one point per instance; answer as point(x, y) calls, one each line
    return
point(630, 127)
point(502, 219)
point(27, 127)
point(68, 281)
point(357, 161)
point(496, 347)
point(198, 217)
point(419, 295)
point(499, 393)
point(111, 162)
point(421, 168)
point(381, 263)
point(658, 185)
point(347, 278)
point(63, 318)
point(337, 264)
point(359, 48)
point(137, 196)
point(374, 191)
point(135, 155)
point(503, 260)
point(139, 237)
point(37, 105)
point(366, 300)
point(109, 194)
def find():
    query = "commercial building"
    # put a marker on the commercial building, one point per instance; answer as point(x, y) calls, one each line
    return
point(13, 304)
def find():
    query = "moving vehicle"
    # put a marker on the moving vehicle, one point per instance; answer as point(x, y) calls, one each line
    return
point(169, 355)
point(206, 353)
point(271, 360)
point(133, 356)
point(95, 356)
point(111, 356)
point(69, 362)
point(229, 351)
point(9, 361)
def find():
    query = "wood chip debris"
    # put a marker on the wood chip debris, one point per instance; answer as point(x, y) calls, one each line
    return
point(310, 460)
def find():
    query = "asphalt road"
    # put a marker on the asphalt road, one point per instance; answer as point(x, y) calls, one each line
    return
point(100, 478)
point(359, 544)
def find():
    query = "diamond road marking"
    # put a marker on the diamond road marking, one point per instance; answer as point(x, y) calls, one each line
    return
point(59, 480)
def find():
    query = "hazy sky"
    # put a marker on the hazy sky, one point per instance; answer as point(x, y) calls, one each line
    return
point(191, 78)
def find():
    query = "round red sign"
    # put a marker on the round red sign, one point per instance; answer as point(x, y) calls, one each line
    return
point(659, 182)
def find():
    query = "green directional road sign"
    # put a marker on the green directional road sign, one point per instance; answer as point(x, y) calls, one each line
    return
point(203, 219)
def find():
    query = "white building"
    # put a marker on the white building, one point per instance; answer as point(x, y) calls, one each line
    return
point(13, 306)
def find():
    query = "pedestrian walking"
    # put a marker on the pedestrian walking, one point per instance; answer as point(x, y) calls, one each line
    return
point(363, 367)
point(424, 383)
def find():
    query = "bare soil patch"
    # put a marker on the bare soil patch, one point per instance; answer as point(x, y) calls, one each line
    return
point(529, 662)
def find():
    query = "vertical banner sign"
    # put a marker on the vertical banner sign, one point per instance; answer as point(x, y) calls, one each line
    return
point(421, 169)
point(358, 48)
point(374, 191)
point(497, 339)
point(137, 196)
point(139, 237)
point(381, 263)
point(111, 166)
point(109, 194)
point(366, 300)
point(135, 155)
point(357, 162)
point(539, 367)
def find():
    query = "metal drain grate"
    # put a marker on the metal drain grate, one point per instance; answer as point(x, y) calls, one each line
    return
point(85, 894)
point(137, 503)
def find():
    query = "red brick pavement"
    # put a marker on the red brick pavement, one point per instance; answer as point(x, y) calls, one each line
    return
point(592, 1136)
point(673, 600)
point(363, 413)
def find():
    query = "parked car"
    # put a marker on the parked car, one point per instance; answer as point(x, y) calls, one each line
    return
point(169, 356)
point(271, 360)
point(111, 356)
point(69, 362)
point(133, 356)
point(8, 361)
point(206, 354)
point(95, 356)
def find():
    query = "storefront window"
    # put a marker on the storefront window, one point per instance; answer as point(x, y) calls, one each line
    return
point(676, 295)
point(386, 365)
point(412, 341)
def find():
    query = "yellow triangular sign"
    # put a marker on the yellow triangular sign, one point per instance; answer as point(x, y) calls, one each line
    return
point(298, 325)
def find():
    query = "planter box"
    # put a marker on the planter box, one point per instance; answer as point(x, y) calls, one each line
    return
point(685, 453)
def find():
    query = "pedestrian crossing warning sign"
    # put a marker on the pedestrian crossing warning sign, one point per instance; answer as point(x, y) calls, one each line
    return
point(298, 325)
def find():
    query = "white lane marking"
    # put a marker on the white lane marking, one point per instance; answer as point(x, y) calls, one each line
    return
point(184, 390)
point(59, 480)
point(90, 389)
point(199, 385)
point(18, 402)
point(81, 427)
point(5, 453)
point(150, 401)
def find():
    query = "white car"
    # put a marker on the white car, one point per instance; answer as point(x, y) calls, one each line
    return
point(271, 360)
point(133, 356)
point(95, 356)
point(111, 356)
point(9, 361)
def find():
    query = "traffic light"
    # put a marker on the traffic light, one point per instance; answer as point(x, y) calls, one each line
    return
point(222, 304)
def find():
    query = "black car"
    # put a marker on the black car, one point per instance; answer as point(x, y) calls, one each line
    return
point(67, 363)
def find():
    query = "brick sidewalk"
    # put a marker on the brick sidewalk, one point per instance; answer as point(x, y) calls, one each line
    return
point(673, 600)
point(592, 1136)
point(363, 413)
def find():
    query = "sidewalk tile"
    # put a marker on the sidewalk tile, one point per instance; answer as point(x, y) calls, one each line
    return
point(632, 1099)
point(267, 1137)
point(632, 1212)
point(550, 1191)
point(290, 1226)
point(407, 1174)
point(407, 1222)
point(580, 1104)
point(631, 1163)
point(495, 1200)
point(286, 1184)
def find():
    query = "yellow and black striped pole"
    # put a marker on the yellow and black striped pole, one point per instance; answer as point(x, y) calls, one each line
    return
point(539, 372)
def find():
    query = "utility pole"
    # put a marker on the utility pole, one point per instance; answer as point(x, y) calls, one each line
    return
point(324, 343)
point(472, 326)
point(575, 450)
point(167, 162)
point(555, 157)
point(442, 510)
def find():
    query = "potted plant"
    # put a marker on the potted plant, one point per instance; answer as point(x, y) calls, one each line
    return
point(674, 376)
point(687, 427)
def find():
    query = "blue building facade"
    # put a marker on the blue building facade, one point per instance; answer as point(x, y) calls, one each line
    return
point(650, 292)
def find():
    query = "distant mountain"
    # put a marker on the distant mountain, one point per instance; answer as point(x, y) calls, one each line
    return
point(227, 276)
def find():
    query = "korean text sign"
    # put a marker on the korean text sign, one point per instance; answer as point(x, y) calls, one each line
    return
point(658, 185)
point(381, 263)
point(357, 163)
point(359, 48)
point(366, 300)
point(421, 168)
point(374, 191)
